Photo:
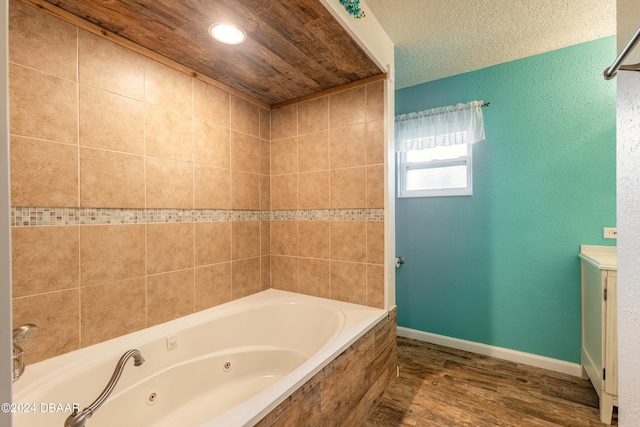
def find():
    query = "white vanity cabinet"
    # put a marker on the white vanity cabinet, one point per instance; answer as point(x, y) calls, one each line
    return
point(599, 355)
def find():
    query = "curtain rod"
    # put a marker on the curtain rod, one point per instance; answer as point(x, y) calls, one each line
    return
point(486, 104)
point(611, 72)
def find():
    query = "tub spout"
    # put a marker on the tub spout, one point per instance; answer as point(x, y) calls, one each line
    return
point(78, 419)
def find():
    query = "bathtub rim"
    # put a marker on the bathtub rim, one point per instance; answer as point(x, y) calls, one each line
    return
point(245, 413)
point(286, 387)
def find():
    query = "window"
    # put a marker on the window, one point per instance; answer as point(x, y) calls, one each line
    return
point(434, 150)
point(437, 171)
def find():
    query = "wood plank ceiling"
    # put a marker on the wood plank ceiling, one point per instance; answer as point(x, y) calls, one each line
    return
point(295, 48)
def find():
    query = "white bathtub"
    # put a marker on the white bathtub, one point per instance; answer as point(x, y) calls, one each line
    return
point(231, 365)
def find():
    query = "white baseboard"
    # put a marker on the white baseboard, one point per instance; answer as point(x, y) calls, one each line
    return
point(488, 350)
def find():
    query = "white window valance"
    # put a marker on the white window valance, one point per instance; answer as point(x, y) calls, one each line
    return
point(441, 126)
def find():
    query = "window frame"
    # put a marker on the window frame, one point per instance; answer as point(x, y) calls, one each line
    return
point(404, 167)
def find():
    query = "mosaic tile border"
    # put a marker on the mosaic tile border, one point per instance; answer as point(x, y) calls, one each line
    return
point(329, 215)
point(31, 216)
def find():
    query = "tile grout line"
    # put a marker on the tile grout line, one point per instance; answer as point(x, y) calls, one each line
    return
point(366, 201)
point(193, 186)
point(297, 228)
point(330, 201)
point(230, 145)
point(79, 188)
point(146, 248)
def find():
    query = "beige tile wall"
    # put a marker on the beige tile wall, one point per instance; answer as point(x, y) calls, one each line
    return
point(328, 153)
point(94, 125)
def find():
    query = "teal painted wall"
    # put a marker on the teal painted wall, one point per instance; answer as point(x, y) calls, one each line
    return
point(501, 267)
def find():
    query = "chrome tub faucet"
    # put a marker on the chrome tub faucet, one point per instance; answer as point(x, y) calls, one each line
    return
point(78, 419)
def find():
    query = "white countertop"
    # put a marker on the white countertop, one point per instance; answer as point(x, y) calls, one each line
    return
point(602, 257)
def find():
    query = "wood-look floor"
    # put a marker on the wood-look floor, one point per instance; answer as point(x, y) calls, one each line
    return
point(441, 386)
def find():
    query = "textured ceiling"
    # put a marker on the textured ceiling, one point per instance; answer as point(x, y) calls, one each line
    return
point(441, 38)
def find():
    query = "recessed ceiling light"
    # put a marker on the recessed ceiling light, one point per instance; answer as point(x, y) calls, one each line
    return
point(227, 33)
